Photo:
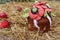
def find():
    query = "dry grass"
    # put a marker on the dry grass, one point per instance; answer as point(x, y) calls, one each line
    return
point(18, 29)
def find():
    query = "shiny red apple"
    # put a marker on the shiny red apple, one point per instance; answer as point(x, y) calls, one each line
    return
point(3, 14)
point(4, 24)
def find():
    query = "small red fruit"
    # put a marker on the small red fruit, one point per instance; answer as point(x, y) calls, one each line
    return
point(18, 8)
point(4, 24)
point(3, 15)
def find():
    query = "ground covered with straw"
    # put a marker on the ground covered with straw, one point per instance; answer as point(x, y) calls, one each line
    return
point(18, 28)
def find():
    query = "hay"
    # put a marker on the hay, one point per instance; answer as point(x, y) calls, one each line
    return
point(18, 29)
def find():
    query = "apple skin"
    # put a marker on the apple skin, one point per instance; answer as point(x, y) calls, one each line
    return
point(18, 8)
point(3, 14)
point(4, 24)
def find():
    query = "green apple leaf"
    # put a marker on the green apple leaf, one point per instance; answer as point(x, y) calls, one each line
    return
point(45, 14)
point(52, 14)
point(26, 13)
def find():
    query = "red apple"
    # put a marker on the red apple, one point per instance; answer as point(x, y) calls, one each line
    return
point(18, 8)
point(4, 24)
point(3, 14)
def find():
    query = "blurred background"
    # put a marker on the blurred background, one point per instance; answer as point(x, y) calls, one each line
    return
point(4, 1)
